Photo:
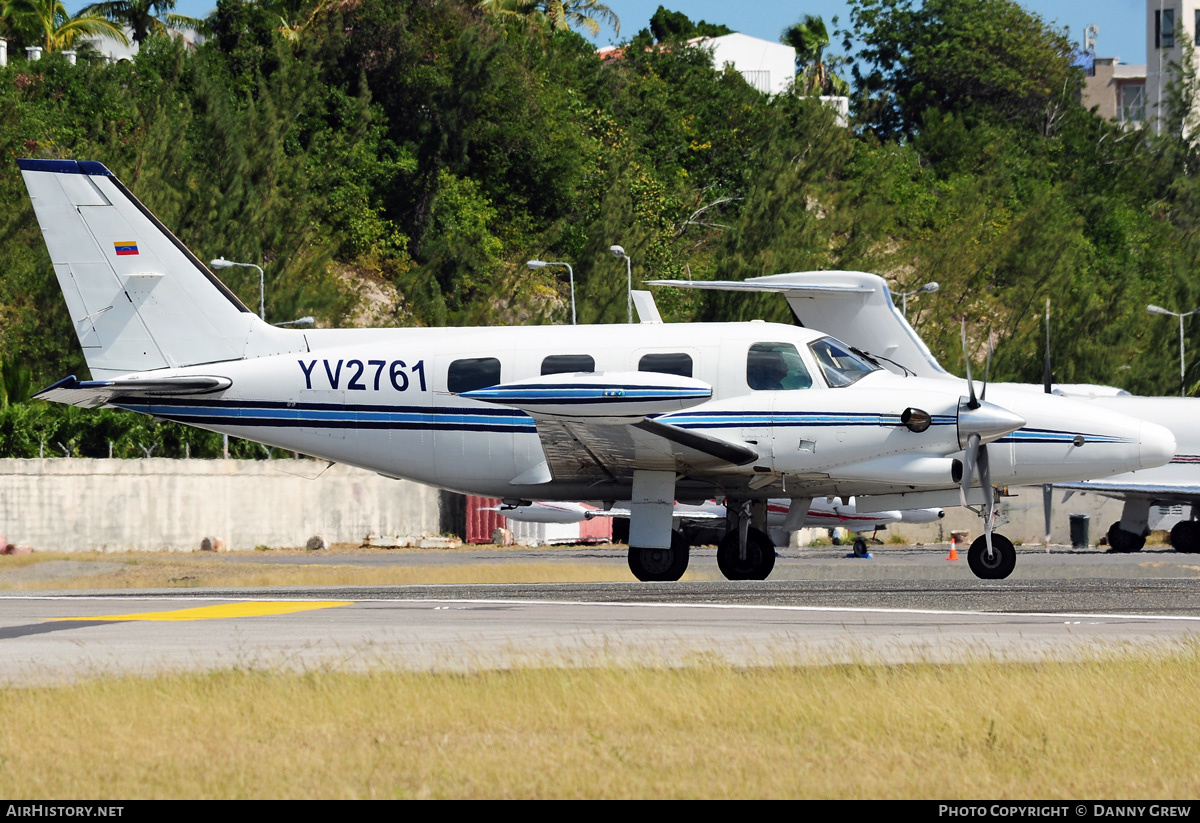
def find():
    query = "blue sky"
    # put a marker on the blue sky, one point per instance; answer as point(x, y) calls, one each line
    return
point(1122, 31)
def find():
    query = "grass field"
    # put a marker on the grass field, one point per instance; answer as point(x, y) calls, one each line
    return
point(1127, 727)
point(142, 570)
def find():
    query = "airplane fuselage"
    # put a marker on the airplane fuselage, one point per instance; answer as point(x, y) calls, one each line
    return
point(388, 400)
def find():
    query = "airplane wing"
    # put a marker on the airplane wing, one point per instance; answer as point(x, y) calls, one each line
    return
point(1160, 492)
point(93, 393)
point(597, 427)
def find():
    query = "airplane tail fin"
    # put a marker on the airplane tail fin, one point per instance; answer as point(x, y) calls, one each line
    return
point(138, 298)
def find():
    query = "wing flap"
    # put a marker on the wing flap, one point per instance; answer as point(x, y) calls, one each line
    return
point(589, 452)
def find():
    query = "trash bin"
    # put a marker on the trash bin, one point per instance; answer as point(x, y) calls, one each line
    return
point(1079, 531)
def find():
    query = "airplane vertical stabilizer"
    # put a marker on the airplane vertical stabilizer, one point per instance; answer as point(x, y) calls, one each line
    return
point(139, 300)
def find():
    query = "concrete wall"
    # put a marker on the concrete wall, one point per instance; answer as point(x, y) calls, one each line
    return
point(156, 504)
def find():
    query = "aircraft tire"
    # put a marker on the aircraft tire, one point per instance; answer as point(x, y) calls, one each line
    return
point(760, 556)
point(660, 565)
point(1002, 563)
point(1184, 536)
point(1120, 540)
point(860, 547)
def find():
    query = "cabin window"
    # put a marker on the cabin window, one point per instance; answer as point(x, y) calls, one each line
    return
point(776, 366)
point(473, 373)
point(838, 364)
point(674, 363)
point(568, 363)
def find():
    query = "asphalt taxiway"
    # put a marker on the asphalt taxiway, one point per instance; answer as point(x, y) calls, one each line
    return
point(902, 605)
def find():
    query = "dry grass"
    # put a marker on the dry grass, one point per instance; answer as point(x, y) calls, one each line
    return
point(1127, 727)
point(141, 570)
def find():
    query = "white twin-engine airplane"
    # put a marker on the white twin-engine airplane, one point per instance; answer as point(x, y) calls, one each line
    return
point(649, 413)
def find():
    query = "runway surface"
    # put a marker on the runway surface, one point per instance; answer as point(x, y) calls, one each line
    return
point(902, 606)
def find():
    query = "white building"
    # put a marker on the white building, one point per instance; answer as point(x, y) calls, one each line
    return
point(1172, 33)
point(768, 67)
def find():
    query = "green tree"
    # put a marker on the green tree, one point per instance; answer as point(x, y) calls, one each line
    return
point(675, 25)
point(978, 58)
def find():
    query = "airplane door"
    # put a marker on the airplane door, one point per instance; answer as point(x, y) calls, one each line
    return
point(475, 444)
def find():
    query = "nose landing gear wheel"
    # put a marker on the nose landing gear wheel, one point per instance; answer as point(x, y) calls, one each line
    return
point(860, 547)
point(651, 565)
point(760, 556)
point(997, 567)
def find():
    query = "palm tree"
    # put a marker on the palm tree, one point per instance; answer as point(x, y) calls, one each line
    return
point(55, 27)
point(565, 13)
point(809, 38)
point(143, 17)
point(556, 14)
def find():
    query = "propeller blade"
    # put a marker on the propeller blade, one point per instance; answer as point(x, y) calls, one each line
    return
point(987, 368)
point(1047, 505)
point(1046, 370)
point(974, 402)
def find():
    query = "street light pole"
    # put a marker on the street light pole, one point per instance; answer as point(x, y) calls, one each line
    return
point(1169, 313)
point(222, 263)
point(619, 252)
point(928, 288)
point(541, 264)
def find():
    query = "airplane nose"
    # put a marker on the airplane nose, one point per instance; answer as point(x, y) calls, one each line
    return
point(1157, 445)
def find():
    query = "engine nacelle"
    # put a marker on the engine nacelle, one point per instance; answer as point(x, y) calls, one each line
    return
point(907, 470)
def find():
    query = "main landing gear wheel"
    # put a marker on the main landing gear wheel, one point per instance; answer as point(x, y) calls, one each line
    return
point(997, 567)
point(1120, 540)
point(860, 547)
point(650, 565)
point(1185, 536)
point(760, 556)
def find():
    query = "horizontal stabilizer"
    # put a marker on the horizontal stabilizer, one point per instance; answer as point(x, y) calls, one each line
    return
point(616, 396)
point(93, 393)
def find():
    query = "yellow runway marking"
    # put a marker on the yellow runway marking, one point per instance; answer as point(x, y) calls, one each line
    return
point(220, 612)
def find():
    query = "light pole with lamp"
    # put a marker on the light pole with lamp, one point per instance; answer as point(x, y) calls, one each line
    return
point(928, 288)
point(1161, 310)
point(541, 264)
point(222, 263)
point(619, 252)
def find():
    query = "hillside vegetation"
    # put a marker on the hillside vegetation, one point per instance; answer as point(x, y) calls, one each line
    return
point(397, 161)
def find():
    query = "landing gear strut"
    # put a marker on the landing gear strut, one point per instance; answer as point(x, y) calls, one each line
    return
point(649, 565)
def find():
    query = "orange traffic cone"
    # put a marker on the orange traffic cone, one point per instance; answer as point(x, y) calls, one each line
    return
point(953, 551)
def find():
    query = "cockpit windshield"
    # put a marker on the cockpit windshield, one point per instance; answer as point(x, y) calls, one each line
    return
point(840, 366)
